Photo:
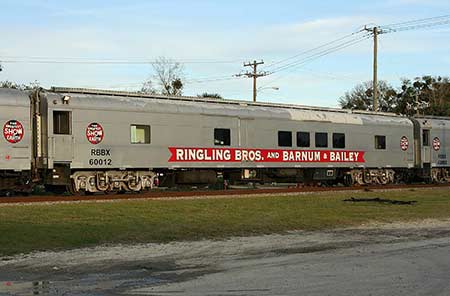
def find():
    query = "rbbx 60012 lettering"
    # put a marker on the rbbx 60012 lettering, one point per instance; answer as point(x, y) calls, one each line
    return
point(105, 141)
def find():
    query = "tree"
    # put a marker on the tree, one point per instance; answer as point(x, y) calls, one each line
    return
point(147, 88)
point(210, 95)
point(425, 95)
point(13, 85)
point(168, 75)
point(361, 97)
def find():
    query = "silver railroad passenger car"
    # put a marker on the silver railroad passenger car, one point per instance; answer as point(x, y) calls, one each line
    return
point(100, 141)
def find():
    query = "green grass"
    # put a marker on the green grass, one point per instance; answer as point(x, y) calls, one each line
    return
point(26, 228)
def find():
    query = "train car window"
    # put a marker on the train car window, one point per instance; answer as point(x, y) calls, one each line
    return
point(380, 142)
point(222, 136)
point(61, 123)
point(284, 139)
point(426, 138)
point(321, 140)
point(303, 139)
point(338, 140)
point(140, 134)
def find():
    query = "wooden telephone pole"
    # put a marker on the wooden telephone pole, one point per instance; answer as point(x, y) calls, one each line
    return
point(254, 74)
point(375, 32)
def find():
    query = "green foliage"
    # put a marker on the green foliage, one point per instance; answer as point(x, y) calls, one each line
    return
point(210, 95)
point(13, 85)
point(426, 95)
point(430, 95)
point(27, 228)
point(360, 97)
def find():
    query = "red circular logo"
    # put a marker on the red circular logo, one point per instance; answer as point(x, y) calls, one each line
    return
point(436, 144)
point(404, 143)
point(13, 131)
point(94, 133)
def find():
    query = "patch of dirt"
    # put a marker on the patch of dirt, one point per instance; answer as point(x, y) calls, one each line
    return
point(105, 269)
point(209, 249)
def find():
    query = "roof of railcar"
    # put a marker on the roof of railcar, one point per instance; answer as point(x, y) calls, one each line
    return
point(138, 102)
point(14, 97)
point(87, 91)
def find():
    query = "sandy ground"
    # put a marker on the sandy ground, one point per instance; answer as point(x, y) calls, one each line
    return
point(124, 269)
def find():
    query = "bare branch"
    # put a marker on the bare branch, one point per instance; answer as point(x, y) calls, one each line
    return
point(168, 75)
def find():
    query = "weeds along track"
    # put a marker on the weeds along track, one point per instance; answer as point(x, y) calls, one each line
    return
point(166, 194)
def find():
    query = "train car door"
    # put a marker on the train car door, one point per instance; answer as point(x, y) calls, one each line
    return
point(62, 140)
point(245, 139)
point(426, 149)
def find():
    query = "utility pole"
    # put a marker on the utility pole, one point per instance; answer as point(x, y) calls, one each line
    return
point(375, 68)
point(254, 74)
point(417, 103)
point(375, 31)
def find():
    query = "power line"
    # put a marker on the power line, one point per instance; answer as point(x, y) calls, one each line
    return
point(313, 49)
point(418, 21)
point(328, 75)
point(416, 27)
point(401, 26)
point(299, 64)
point(186, 81)
point(111, 61)
point(287, 64)
point(225, 78)
point(11, 61)
point(415, 24)
point(106, 61)
point(320, 54)
point(396, 27)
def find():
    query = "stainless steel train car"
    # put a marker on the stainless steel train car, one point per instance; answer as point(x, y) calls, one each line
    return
point(102, 141)
point(433, 148)
point(15, 146)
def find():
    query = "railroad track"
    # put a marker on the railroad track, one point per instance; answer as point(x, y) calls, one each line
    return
point(200, 193)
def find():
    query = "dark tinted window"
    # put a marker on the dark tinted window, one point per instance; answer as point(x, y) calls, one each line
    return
point(222, 136)
point(321, 140)
point(338, 140)
point(61, 123)
point(284, 139)
point(426, 138)
point(380, 142)
point(303, 139)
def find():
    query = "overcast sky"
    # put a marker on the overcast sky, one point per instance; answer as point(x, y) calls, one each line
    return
point(230, 32)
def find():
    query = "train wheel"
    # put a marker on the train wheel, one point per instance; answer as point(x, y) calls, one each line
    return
point(6, 193)
point(348, 180)
point(71, 189)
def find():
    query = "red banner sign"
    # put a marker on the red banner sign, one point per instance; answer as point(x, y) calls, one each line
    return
point(182, 154)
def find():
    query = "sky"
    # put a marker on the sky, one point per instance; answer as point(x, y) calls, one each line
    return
point(213, 39)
